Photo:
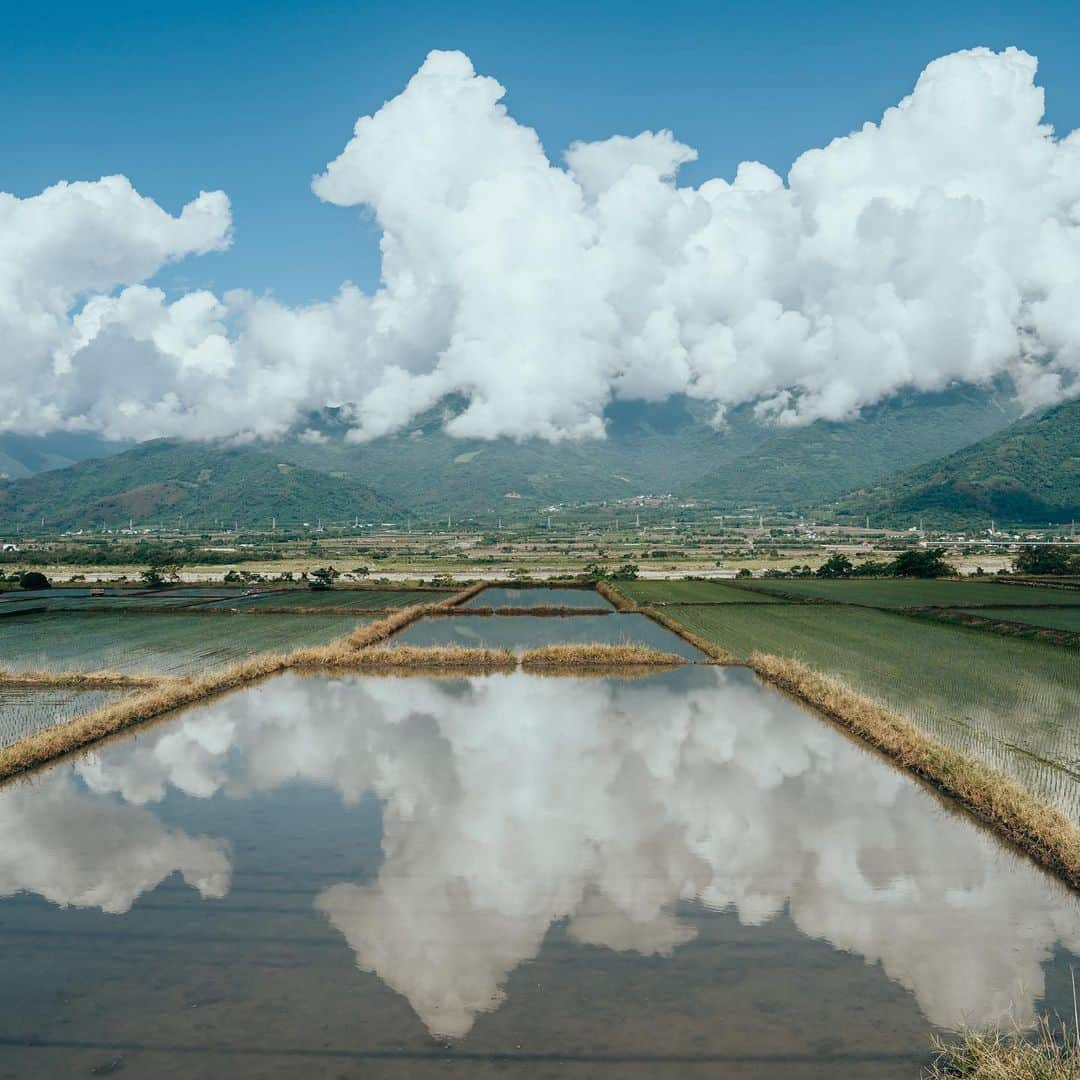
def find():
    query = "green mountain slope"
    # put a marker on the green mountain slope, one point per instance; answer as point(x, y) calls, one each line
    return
point(1028, 473)
point(668, 448)
point(25, 455)
point(649, 449)
point(164, 480)
point(801, 467)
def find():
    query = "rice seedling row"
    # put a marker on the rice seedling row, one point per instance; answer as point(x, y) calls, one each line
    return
point(134, 643)
point(26, 709)
point(693, 592)
point(910, 592)
point(1067, 619)
point(337, 598)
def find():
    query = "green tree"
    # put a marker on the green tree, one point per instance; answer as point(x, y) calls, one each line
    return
point(34, 579)
point(323, 577)
point(158, 575)
point(1046, 559)
point(921, 564)
point(835, 566)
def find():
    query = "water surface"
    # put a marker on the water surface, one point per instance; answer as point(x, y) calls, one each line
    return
point(500, 596)
point(679, 875)
point(520, 632)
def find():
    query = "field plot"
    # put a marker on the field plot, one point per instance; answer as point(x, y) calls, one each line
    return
point(520, 632)
point(156, 644)
point(1063, 618)
point(337, 598)
point(26, 709)
point(501, 596)
point(911, 592)
point(1011, 702)
point(692, 592)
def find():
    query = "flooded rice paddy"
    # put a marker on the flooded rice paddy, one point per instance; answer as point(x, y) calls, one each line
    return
point(145, 644)
point(682, 874)
point(26, 709)
point(520, 632)
point(500, 596)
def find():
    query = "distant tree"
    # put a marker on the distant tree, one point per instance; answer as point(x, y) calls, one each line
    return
point(744, 573)
point(158, 575)
point(835, 566)
point(871, 568)
point(928, 563)
point(34, 579)
point(1047, 559)
point(362, 571)
point(627, 572)
point(323, 577)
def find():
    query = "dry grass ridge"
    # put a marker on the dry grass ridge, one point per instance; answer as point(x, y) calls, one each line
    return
point(566, 657)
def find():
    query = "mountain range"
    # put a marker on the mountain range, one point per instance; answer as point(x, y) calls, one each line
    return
point(1030, 472)
point(957, 456)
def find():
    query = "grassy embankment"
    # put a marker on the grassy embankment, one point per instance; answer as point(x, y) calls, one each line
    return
point(551, 611)
point(569, 657)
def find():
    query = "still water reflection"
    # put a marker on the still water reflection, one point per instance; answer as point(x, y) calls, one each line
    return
point(557, 856)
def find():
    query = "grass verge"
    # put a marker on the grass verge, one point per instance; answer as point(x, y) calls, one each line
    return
point(1005, 627)
point(1041, 831)
point(569, 657)
point(81, 680)
point(548, 611)
point(439, 657)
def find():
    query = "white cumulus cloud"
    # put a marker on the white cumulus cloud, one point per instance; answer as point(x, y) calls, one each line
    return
point(939, 245)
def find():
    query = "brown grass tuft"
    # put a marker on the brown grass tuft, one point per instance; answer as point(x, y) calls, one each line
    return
point(1042, 831)
point(466, 594)
point(81, 680)
point(616, 598)
point(432, 658)
point(596, 656)
point(994, 1055)
point(365, 636)
point(541, 611)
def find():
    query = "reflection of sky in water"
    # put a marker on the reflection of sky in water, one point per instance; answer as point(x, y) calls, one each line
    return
point(521, 632)
point(511, 803)
point(537, 596)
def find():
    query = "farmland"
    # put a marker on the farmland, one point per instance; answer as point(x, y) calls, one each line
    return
point(361, 599)
point(693, 592)
point(1011, 703)
point(25, 709)
point(912, 592)
point(1064, 618)
point(137, 643)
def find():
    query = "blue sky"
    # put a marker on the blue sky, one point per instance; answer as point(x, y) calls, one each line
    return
point(255, 98)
